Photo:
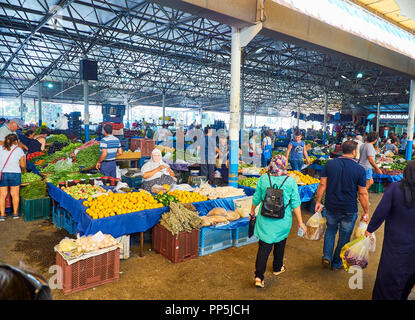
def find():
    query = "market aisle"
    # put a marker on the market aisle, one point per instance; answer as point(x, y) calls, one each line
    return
point(227, 274)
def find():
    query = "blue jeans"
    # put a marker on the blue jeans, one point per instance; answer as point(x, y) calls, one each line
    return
point(296, 164)
point(346, 222)
point(10, 179)
point(264, 161)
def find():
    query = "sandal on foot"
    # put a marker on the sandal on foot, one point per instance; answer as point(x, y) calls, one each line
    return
point(283, 269)
point(259, 283)
point(2, 218)
point(15, 216)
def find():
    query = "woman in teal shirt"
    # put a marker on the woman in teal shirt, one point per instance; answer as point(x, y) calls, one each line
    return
point(274, 232)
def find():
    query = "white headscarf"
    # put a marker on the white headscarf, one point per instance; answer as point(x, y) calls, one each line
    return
point(151, 165)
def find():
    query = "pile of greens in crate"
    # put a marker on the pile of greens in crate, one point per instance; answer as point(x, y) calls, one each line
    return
point(57, 137)
point(29, 177)
point(35, 190)
point(58, 177)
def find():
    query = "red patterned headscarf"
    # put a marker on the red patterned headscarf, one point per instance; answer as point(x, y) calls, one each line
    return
point(278, 165)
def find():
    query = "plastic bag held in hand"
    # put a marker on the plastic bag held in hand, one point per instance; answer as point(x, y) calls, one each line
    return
point(316, 226)
point(356, 253)
point(360, 230)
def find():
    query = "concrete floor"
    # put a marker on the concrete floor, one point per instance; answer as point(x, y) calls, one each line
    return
point(227, 274)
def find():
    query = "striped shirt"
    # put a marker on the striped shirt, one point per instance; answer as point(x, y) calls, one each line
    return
point(112, 144)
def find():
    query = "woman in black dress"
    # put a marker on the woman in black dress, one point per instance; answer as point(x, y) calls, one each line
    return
point(396, 272)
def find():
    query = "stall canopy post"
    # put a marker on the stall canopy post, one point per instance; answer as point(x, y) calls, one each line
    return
point(242, 124)
point(21, 107)
point(127, 107)
point(410, 132)
point(40, 102)
point(326, 106)
point(378, 122)
point(86, 110)
point(298, 117)
point(240, 39)
point(235, 107)
point(164, 107)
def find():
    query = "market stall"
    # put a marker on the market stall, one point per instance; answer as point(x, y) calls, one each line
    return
point(307, 185)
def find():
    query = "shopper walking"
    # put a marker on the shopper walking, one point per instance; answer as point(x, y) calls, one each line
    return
point(110, 147)
point(296, 151)
point(266, 149)
point(396, 271)
point(367, 158)
point(12, 161)
point(207, 167)
point(342, 180)
point(273, 232)
point(359, 141)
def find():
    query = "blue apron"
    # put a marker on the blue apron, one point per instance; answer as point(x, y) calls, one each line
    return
point(267, 152)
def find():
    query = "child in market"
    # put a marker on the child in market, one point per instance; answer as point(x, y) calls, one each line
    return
point(297, 150)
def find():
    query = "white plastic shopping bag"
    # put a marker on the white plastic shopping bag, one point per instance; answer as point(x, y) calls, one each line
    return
point(316, 226)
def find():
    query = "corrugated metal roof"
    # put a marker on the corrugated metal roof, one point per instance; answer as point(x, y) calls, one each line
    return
point(389, 10)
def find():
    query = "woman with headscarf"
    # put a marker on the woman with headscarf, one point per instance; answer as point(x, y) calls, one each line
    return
point(156, 172)
point(396, 271)
point(273, 232)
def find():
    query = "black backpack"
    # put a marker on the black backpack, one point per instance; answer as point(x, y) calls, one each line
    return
point(273, 204)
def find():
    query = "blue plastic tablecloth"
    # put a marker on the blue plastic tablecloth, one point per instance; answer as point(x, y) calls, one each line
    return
point(316, 167)
point(318, 156)
point(382, 177)
point(306, 192)
point(128, 223)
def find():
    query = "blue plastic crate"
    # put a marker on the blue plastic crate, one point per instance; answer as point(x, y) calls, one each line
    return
point(67, 222)
point(132, 182)
point(213, 240)
point(109, 118)
point(57, 217)
point(240, 237)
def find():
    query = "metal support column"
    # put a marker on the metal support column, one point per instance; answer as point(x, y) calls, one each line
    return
point(378, 122)
point(298, 117)
point(127, 107)
point(242, 124)
point(326, 106)
point(86, 110)
point(40, 84)
point(410, 132)
point(164, 107)
point(240, 39)
point(21, 108)
point(235, 107)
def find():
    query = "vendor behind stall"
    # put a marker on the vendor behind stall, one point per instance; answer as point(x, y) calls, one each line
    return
point(9, 128)
point(110, 147)
point(156, 172)
point(28, 139)
point(391, 145)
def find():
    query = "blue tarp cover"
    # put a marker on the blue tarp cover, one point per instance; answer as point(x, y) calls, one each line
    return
point(306, 192)
point(128, 223)
point(382, 177)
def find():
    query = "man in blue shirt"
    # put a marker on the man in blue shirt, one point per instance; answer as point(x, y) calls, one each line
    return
point(110, 147)
point(404, 142)
point(342, 179)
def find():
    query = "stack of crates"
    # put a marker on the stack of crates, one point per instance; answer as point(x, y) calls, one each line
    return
point(74, 124)
point(113, 115)
point(377, 187)
point(35, 209)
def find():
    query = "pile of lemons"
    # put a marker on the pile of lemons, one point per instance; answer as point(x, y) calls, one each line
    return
point(303, 179)
point(112, 204)
point(187, 196)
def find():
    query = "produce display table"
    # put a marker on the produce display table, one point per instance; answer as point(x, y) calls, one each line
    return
point(128, 223)
point(306, 192)
point(316, 167)
point(382, 177)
